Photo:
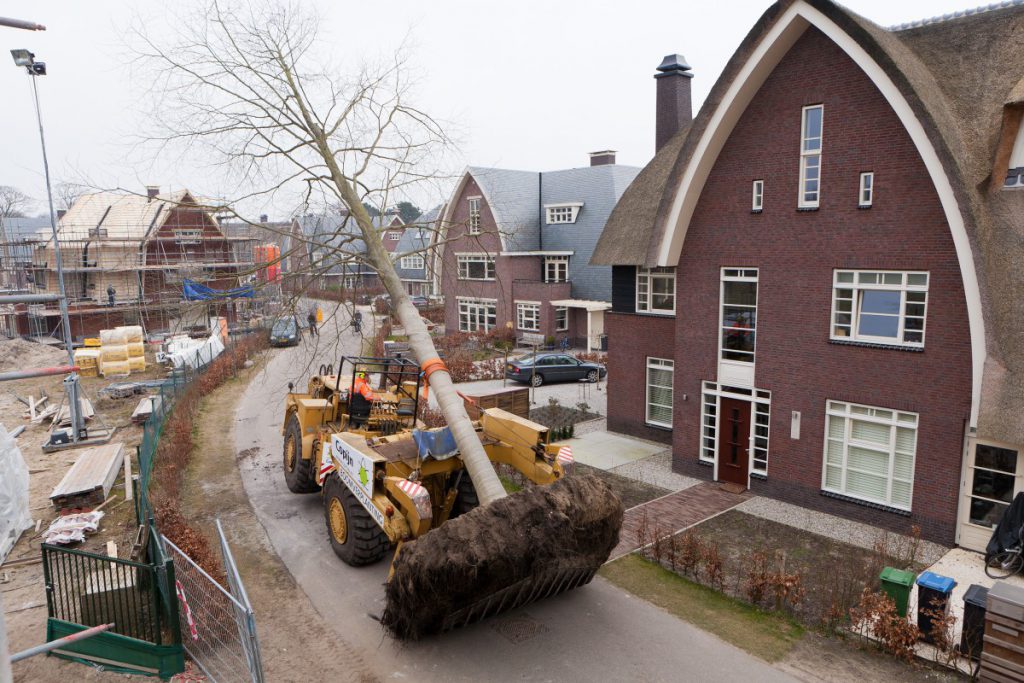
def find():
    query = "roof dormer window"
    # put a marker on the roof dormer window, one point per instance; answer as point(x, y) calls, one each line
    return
point(562, 213)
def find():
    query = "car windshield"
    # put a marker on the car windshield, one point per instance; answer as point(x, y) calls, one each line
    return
point(285, 326)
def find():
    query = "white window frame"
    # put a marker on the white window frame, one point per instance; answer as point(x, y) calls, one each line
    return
point(760, 423)
point(757, 195)
point(562, 213)
point(866, 190)
point(412, 262)
point(471, 311)
point(188, 235)
point(970, 495)
point(847, 289)
point(810, 157)
point(561, 318)
point(875, 415)
point(659, 364)
point(528, 316)
point(645, 278)
point(737, 275)
point(556, 269)
point(474, 215)
point(394, 236)
point(463, 262)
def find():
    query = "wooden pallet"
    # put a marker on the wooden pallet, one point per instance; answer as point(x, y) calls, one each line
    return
point(87, 484)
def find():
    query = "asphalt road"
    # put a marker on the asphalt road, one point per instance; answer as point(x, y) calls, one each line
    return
point(598, 632)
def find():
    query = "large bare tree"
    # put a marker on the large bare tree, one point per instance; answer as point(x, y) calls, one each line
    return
point(250, 85)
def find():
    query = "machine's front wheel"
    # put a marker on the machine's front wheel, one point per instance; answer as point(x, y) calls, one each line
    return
point(298, 473)
point(355, 537)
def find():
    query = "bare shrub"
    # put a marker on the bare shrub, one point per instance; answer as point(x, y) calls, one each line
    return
point(713, 566)
point(689, 552)
point(875, 615)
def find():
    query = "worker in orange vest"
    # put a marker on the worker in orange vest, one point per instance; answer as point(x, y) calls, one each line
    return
point(363, 388)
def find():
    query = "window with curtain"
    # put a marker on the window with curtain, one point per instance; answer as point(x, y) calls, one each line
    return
point(659, 391)
point(869, 453)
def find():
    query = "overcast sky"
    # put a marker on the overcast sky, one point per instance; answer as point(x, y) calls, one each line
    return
point(528, 84)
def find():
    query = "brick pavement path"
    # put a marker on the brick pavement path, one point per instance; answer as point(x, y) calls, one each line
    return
point(675, 512)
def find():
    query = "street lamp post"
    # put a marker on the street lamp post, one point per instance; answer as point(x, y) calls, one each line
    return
point(26, 59)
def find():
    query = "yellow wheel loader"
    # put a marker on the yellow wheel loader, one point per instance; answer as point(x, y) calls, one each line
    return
point(386, 480)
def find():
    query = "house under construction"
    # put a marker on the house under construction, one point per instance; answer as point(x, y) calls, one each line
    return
point(126, 258)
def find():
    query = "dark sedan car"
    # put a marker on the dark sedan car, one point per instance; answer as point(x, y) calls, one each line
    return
point(285, 332)
point(553, 367)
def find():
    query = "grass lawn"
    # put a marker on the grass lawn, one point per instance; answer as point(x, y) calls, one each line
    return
point(763, 634)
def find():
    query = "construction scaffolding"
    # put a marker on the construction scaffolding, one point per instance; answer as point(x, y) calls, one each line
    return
point(125, 260)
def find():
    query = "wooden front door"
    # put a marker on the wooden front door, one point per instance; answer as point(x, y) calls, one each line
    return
point(734, 441)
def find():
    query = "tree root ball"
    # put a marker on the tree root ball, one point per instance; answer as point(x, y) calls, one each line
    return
point(520, 546)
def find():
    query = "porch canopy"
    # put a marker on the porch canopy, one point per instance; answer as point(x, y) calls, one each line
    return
point(595, 317)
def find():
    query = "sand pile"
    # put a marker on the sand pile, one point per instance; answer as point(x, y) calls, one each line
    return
point(18, 354)
point(572, 524)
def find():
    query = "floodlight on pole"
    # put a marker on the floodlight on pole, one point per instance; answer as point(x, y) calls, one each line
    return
point(24, 58)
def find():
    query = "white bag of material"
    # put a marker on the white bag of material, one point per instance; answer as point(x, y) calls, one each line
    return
point(14, 513)
point(197, 356)
point(132, 333)
point(72, 528)
point(114, 337)
point(114, 352)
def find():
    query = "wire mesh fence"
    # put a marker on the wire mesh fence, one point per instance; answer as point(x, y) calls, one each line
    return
point(218, 630)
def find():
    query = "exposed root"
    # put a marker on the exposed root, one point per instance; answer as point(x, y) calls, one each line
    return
point(572, 525)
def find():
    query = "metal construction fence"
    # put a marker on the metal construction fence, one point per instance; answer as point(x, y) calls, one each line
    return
point(154, 612)
point(218, 627)
point(88, 589)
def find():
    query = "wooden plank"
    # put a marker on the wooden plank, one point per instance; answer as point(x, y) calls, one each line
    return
point(143, 410)
point(90, 479)
point(111, 549)
point(129, 490)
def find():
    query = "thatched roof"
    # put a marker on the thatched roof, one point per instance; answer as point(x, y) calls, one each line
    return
point(956, 74)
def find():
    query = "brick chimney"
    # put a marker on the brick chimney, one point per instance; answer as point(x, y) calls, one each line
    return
point(673, 108)
point(61, 213)
point(152, 191)
point(602, 158)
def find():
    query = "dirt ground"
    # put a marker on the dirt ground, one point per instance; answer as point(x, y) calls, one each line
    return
point(630, 491)
point(287, 623)
point(22, 585)
point(830, 570)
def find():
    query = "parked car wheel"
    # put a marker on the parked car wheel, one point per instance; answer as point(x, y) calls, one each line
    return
point(537, 380)
point(592, 376)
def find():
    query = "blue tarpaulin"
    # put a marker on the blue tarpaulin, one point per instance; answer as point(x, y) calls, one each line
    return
point(437, 443)
point(195, 291)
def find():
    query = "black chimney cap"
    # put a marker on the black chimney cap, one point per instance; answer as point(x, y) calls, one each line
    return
point(673, 65)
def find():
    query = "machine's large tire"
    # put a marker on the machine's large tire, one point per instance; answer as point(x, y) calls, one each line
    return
point(467, 499)
point(355, 537)
point(299, 474)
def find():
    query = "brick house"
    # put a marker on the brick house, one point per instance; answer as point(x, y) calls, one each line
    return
point(814, 275)
point(125, 259)
point(517, 246)
point(326, 250)
point(414, 253)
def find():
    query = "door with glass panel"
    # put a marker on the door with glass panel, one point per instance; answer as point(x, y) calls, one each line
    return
point(993, 477)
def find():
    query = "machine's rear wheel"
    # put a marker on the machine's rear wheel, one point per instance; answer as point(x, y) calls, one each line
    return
point(298, 473)
point(355, 537)
point(537, 380)
point(467, 499)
